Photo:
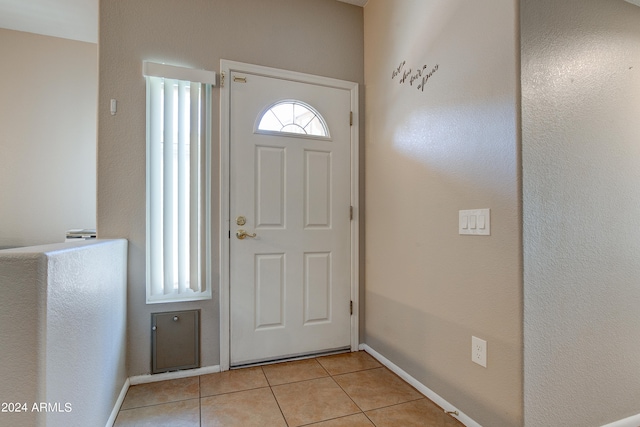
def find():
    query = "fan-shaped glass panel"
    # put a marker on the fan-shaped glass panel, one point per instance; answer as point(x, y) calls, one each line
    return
point(293, 117)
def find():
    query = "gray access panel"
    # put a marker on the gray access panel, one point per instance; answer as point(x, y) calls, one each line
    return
point(175, 341)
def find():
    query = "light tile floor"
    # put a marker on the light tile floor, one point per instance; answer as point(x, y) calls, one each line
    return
point(344, 390)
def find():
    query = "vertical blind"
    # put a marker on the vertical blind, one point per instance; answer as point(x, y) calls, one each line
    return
point(178, 137)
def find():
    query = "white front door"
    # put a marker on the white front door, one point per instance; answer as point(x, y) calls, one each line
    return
point(290, 192)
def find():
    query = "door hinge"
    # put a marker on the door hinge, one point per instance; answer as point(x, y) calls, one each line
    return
point(351, 307)
point(351, 213)
point(222, 76)
point(350, 118)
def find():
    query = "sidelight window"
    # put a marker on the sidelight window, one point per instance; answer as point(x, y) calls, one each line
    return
point(178, 139)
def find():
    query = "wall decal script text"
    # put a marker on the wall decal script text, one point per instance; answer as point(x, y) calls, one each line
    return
point(421, 75)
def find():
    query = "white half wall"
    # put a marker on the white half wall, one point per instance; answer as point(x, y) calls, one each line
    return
point(63, 332)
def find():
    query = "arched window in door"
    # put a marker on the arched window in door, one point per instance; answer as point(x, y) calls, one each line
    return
point(293, 117)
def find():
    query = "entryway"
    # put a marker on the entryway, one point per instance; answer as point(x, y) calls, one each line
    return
point(289, 193)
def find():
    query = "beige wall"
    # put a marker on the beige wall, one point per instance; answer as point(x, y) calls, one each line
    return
point(581, 182)
point(322, 37)
point(429, 153)
point(47, 137)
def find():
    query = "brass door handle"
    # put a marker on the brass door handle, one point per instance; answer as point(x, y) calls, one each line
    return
point(241, 234)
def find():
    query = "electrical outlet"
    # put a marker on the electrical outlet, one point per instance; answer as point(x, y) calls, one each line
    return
point(479, 351)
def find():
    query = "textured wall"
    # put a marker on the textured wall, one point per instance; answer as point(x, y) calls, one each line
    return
point(22, 333)
point(581, 176)
point(322, 37)
point(47, 137)
point(430, 152)
point(63, 332)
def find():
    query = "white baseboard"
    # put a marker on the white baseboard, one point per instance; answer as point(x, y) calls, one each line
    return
point(152, 378)
point(116, 407)
point(433, 396)
point(145, 379)
point(633, 421)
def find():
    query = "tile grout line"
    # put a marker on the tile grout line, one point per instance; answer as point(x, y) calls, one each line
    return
point(329, 375)
point(158, 404)
point(400, 403)
point(199, 401)
point(274, 397)
point(344, 391)
point(296, 381)
point(322, 366)
point(382, 407)
point(236, 391)
point(348, 395)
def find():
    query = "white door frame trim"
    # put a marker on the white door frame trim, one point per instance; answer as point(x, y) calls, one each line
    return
point(226, 67)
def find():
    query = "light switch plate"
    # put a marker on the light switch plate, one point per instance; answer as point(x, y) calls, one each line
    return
point(475, 222)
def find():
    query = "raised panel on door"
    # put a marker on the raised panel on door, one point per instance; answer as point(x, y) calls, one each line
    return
point(269, 290)
point(317, 187)
point(317, 287)
point(270, 196)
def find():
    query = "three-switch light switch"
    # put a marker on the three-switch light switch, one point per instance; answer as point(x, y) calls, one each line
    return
point(475, 222)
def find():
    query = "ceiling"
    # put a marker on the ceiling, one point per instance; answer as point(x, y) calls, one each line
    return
point(69, 19)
